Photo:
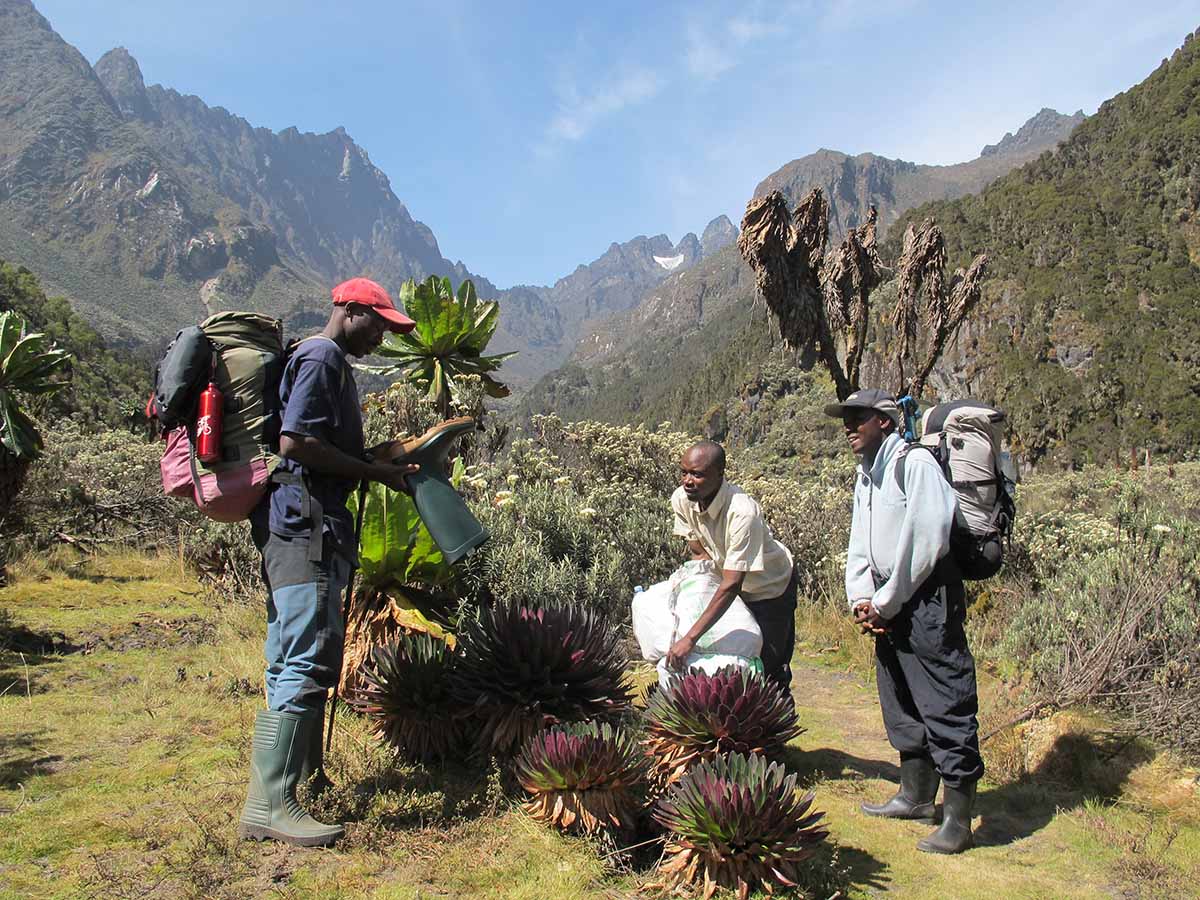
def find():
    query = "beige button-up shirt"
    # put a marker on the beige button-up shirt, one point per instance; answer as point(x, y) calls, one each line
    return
point(734, 533)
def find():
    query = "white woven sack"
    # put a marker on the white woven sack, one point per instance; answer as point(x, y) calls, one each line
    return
point(653, 620)
point(734, 634)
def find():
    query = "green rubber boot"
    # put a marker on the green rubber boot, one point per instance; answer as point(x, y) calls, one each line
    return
point(917, 795)
point(281, 745)
point(450, 521)
point(312, 769)
point(955, 835)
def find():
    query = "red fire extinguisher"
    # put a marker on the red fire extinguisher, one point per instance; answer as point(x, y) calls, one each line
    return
point(208, 425)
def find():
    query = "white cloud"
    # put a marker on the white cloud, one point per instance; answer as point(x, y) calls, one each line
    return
point(847, 15)
point(713, 48)
point(744, 30)
point(578, 113)
point(705, 59)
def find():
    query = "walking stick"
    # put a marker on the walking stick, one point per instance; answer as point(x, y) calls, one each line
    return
point(362, 504)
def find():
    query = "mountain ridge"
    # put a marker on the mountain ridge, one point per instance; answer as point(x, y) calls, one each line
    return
point(851, 184)
point(150, 208)
point(163, 209)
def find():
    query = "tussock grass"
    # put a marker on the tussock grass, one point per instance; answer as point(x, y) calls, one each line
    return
point(122, 772)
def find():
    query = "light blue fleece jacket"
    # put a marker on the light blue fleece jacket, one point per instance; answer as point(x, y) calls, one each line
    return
point(899, 540)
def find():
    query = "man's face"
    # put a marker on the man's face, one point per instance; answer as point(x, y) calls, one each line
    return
point(365, 329)
point(865, 429)
point(699, 476)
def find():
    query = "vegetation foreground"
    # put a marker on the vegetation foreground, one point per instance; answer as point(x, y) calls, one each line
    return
point(129, 689)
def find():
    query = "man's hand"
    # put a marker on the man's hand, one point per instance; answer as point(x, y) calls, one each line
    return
point(868, 619)
point(680, 651)
point(394, 475)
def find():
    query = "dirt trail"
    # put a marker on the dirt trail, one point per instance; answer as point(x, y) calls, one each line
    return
point(1035, 839)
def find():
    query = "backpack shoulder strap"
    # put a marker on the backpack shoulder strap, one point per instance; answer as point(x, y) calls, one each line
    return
point(901, 456)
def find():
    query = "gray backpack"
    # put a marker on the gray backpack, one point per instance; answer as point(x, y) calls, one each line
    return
point(965, 437)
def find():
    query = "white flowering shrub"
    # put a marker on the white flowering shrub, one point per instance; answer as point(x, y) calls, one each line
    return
point(576, 512)
point(582, 510)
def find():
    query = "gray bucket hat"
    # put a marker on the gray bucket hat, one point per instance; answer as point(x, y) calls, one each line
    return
point(867, 398)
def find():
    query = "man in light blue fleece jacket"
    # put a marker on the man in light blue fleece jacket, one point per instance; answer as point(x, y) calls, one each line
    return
point(904, 588)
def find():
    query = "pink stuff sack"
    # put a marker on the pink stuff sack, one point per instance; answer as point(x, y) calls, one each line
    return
point(176, 464)
point(228, 493)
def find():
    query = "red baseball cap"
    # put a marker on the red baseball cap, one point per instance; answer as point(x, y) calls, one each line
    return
point(366, 292)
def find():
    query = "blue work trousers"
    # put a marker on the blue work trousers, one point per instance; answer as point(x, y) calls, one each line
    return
point(305, 628)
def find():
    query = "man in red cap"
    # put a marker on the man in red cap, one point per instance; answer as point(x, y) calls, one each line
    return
point(306, 537)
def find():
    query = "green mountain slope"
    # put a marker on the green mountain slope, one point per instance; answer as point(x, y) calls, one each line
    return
point(107, 388)
point(1089, 334)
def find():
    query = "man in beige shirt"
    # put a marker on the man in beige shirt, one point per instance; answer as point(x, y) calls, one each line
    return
point(719, 517)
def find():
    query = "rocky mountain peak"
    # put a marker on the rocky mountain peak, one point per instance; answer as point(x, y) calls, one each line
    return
point(1047, 127)
point(719, 233)
point(121, 76)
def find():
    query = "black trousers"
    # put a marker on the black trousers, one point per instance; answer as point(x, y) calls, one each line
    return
point(776, 620)
point(926, 677)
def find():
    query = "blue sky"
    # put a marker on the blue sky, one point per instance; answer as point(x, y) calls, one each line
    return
point(529, 136)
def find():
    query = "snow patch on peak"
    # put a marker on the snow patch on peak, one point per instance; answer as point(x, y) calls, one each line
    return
point(670, 263)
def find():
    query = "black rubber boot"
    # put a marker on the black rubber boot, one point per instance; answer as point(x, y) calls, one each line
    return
point(918, 791)
point(954, 835)
point(281, 745)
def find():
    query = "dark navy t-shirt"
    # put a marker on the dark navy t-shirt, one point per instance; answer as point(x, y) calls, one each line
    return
point(320, 400)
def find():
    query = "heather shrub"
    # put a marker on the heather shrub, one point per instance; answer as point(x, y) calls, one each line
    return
point(547, 544)
point(581, 509)
point(1119, 628)
point(95, 489)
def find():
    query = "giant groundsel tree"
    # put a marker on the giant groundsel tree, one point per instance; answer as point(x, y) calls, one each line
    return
point(822, 300)
point(451, 333)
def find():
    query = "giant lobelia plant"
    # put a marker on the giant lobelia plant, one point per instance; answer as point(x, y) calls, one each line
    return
point(525, 668)
point(452, 331)
point(582, 777)
point(736, 822)
point(27, 362)
point(404, 690)
point(700, 715)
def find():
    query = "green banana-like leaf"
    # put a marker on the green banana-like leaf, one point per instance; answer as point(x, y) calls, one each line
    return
point(395, 546)
point(26, 363)
point(11, 327)
point(17, 431)
point(32, 360)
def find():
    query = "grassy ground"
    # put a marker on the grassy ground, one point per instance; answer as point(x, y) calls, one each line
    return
point(127, 694)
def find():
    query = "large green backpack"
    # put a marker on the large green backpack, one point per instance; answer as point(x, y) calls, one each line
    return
point(243, 354)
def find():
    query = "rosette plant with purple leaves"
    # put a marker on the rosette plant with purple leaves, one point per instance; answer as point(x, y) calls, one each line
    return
point(737, 822)
point(582, 776)
point(525, 668)
point(405, 692)
point(700, 715)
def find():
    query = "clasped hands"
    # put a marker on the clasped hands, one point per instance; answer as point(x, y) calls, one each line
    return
point(867, 618)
